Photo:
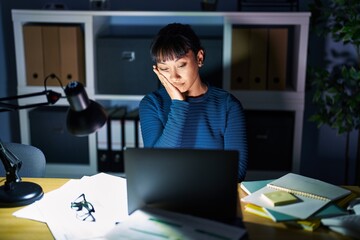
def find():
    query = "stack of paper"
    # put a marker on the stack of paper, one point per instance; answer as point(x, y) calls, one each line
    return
point(306, 212)
point(156, 224)
point(106, 193)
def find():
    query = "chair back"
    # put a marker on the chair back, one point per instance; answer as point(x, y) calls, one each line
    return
point(33, 160)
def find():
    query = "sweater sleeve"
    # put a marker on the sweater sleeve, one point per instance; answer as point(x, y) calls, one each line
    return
point(159, 129)
point(235, 136)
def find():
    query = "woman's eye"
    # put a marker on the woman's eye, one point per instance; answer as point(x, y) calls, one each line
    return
point(182, 65)
point(164, 69)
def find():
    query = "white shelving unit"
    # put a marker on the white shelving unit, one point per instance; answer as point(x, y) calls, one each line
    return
point(94, 23)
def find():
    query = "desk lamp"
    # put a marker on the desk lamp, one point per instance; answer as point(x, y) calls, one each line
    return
point(83, 118)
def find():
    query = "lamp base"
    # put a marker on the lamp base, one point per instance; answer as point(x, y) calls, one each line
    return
point(20, 194)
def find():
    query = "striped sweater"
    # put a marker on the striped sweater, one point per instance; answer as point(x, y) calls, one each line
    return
point(214, 120)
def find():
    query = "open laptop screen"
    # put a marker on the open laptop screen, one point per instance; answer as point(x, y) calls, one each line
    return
point(192, 181)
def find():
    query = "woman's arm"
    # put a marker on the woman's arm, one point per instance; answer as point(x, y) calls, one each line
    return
point(158, 128)
point(235, 137)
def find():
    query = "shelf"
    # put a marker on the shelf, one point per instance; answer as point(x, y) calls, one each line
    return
point(216, 27)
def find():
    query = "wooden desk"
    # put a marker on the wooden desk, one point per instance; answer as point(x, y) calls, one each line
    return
point(258, 228)
point(19, 228)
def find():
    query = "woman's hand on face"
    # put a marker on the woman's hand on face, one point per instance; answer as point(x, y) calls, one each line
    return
point(173, 92)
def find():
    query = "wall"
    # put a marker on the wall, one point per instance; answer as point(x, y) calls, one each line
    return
point(4, 117)
point(322, 150)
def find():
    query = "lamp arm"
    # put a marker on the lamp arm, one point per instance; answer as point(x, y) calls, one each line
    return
point(51, 96)
point(11, 165)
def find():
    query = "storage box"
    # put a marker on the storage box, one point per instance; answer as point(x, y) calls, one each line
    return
point(124, 65)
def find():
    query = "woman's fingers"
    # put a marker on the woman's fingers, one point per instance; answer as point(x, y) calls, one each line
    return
point(161, 77)
point(173, 92)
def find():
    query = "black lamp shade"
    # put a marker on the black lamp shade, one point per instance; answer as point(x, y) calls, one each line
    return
point(84, 115)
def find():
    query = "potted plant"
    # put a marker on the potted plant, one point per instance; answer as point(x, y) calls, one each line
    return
point(337, 88)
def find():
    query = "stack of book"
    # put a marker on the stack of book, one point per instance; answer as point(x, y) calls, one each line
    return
point(295, 200)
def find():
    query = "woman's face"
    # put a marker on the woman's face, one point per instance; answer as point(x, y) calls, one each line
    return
point(183, 72)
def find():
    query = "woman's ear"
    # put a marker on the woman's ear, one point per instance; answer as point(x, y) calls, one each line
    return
point(200, 57)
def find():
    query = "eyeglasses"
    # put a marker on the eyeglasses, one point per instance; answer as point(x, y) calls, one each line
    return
point(83, 208)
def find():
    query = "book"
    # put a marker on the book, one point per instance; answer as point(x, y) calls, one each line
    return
point(259, 211)
point(303, 209)
point(308, 187)
point(330, 210)
point(307, 225)
point(252, 186)
point(279, 198)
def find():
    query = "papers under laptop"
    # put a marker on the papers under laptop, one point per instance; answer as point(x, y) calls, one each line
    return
point(201, 183)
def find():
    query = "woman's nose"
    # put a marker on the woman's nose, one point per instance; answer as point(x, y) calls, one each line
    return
point(174, 76)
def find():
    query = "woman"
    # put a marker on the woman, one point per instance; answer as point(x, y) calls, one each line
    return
point(187, 112)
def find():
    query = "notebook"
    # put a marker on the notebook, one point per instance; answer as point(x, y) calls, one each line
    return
point(309, 187)
point(198, 182)
point(313, 195)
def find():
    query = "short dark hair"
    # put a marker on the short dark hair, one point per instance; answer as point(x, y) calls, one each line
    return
point(174, 41)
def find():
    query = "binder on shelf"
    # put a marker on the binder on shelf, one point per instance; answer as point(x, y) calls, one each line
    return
point(72, 54)
point(102, 145)
point(240, 54)
point(141, 142)
point(110, 142)
point(51, 46)
point(117, 129)
point(33, 49)
point(277, 60)
point(132, 130)
point(54, 49)
point(258, 58)
point(116, 145)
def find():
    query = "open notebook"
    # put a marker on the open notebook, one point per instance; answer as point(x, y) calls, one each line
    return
point(313, 195)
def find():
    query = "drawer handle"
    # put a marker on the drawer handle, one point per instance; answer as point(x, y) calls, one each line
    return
point(128, 56)
point(262, 136)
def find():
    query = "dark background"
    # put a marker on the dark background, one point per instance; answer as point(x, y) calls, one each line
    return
point(323, 151)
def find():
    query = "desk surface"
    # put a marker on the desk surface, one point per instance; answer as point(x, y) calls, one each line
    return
point(258, 228)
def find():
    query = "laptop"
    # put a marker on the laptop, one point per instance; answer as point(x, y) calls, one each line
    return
point(198, 182)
